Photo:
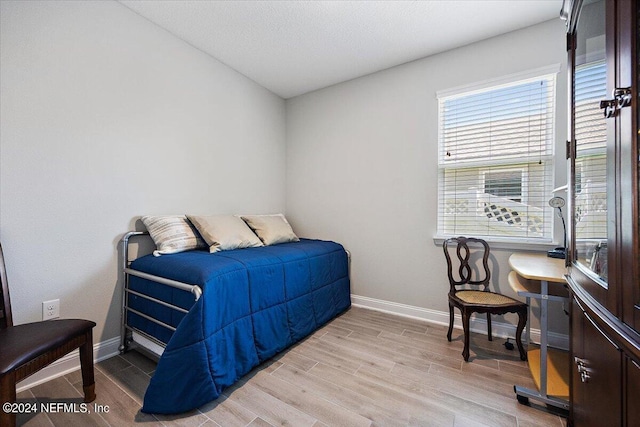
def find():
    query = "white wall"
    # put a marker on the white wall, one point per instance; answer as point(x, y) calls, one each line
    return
point(362, 162)
point(106, 117)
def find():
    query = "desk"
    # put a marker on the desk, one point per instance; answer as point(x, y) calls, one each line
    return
point(540, 277)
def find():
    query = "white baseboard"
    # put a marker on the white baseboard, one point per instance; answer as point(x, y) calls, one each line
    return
point(109, 348)
point(477, 324)
point(69, 363)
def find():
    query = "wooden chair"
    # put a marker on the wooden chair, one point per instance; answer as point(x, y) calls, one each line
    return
point(479, 300)
point(27, 348)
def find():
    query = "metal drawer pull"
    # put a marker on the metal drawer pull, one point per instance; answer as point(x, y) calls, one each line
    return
point(609, 107)
point(584, 377)
point(621, 98)
point(582, 369)
point(581, 364)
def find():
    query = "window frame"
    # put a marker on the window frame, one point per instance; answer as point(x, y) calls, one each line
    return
point(548, 238)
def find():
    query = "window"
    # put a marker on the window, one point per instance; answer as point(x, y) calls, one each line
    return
point(496, 147)
point(504, 183)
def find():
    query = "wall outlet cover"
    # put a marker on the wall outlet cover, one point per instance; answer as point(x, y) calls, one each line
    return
point(50, 309)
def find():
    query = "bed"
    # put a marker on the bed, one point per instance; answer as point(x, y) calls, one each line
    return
point(211, 318)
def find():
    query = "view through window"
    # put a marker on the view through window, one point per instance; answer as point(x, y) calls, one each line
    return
point(496, 147)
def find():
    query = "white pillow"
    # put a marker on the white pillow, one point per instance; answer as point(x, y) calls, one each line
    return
point(271, 229)
point(172, 234)
point(224, 232)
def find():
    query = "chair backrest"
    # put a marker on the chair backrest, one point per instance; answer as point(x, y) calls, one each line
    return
point(5, 302)
point(466, 270)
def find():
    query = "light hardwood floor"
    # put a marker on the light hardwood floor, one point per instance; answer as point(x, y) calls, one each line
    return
point(365, 368)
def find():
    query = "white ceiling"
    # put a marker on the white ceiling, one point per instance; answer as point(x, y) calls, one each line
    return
point(294, 47)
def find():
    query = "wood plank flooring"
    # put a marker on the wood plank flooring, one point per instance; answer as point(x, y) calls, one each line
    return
point(365, 368)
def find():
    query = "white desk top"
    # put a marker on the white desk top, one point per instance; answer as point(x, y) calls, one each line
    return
point(538, 267)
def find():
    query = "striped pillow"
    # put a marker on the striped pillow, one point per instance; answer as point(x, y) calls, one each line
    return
point(172, 234)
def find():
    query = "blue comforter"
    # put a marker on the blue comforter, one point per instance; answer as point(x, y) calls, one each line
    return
point(255, 303)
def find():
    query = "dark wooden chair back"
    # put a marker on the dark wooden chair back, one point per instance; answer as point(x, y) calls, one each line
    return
point(465, 271)
point(27, 348)
point(5, 302)
point(469, 278)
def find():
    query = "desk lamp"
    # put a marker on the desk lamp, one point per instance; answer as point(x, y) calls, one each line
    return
point(560, 252)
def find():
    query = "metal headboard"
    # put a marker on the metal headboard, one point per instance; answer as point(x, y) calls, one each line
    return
point(126, 272)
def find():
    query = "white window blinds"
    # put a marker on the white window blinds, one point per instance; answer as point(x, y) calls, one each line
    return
point(591, 151)
point(496, 149)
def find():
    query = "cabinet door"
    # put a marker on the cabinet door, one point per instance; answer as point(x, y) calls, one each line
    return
point(592, 187)
point(630, 164)
point(576, 326)
point(603, 188)
point(596, 375)
point(633, 391)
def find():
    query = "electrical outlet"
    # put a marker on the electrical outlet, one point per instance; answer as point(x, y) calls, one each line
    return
point(51, 309)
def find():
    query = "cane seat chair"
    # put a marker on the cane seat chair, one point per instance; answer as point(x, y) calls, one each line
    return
point(469, 289)
point(27, 348)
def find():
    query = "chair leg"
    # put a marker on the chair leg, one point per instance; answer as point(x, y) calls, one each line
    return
point(86, 365)
point(489, 327)
point(465, 325)
point(8, 394)
point(450, 322)
point(522, 321)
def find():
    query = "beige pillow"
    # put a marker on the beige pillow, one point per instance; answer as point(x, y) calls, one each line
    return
point(271, 229)
point(172, 234)
point(224, 232)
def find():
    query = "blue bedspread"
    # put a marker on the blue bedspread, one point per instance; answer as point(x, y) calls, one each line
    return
point(255, 303)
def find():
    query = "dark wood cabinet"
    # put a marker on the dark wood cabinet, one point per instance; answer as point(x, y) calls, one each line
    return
point(632, 408)
point(603, 256)
point(597, 379)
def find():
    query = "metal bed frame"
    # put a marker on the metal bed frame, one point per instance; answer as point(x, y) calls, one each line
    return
point(128, 332)
point(146, 342)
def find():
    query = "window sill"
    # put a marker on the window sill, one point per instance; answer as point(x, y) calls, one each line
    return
point(510, 244)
